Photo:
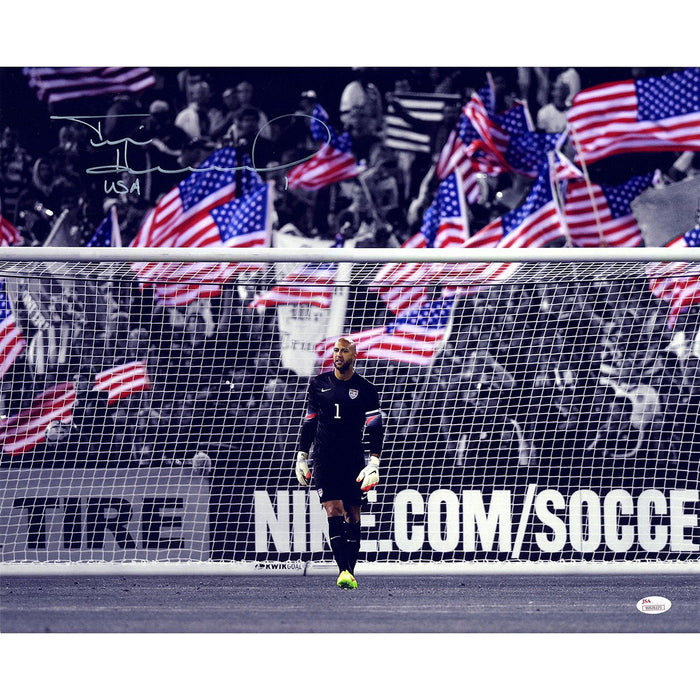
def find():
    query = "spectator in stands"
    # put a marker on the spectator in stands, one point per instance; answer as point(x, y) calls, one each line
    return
point(118, 122)
point(534, 87)
point(132, 203)
point(70, 192)
point(551, 118)
point(249, 140)
point(64, 155)
point(194, 153)
point(358, 220)
point(37, 206)
point(504, 82)
point(244, 96)
point(294, 131)
point(477, 423)
point(685, 416)
point(229, 98)
point(572, 79)
point(293, 209)
point(186, 80)
point(199, 118)
point(165, 144)
point(361, 114)
point(90, 420)
point(383, 182)
point(15, 172)
point(361, 108)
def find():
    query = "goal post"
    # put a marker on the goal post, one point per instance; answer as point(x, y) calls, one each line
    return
point(541, 407)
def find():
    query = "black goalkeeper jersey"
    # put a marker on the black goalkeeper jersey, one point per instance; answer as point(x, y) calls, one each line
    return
point(337, 417)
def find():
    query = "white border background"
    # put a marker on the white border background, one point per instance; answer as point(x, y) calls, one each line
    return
point(360, 32)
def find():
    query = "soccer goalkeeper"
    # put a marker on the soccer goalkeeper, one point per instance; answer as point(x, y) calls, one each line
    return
point(342, 407)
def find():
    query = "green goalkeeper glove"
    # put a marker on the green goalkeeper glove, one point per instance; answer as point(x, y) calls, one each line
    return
point(302, 468)
point(369, 476)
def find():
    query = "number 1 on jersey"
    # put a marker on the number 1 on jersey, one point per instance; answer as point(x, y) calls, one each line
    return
point(337, 411)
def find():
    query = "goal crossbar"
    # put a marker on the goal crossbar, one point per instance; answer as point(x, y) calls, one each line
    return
point(350, 255)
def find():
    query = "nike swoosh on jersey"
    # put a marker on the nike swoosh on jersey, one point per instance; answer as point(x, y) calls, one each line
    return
point(322, 390)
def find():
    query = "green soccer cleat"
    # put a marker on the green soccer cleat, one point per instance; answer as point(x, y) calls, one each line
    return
point(346, 580)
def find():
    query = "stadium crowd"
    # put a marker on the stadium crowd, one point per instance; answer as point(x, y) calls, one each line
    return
point(531, 373)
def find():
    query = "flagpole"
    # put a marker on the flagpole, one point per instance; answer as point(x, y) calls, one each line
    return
point(116, 233)
point(268, 216)
point(448, 329)
point(589, 187)
point(558, 204)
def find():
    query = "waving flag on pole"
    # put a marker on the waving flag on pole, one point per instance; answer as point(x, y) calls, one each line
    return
point(310, 284)
point(107, 234)
point(123, 380)
point(445, 225)
point(508, 142)
point(456, 155)
point(601, 215)
point(25, 430)
point(650, 114)
point(205, 211)
point(527, 151)
point(680, 283)
point(333, 162)
point(11, 339)
point(534, 224)
point(60, 84)
point(492, 137)
point(484, 143)
point(414, 337)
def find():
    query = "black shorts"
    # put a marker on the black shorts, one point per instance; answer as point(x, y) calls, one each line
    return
point(339, 485)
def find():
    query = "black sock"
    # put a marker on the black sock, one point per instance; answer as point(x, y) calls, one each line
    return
point(336, 532)
point(352, 544)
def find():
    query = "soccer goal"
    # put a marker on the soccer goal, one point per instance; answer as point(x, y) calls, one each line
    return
point(541, 407)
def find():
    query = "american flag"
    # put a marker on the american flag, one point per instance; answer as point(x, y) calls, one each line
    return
point(484, 143)
point(426, 109)
point(123, 380)
point(310, 284)
point(9, 235)
point(508, 141)
point(564, 169)
point(11, 339)
point(25, 430)
point(601, 215)
point(205, 211)
point(492, 136)
point(679, 287)
point(456, 156)
point(414, 337)
point(107, 234)
point(61, 84)
point(527, 151)
point(456, 150)
point(333, 162)
point(445, 225)
point(532, 225)
point(650, 114)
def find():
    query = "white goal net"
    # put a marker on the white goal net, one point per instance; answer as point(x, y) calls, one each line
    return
point(535, 411)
